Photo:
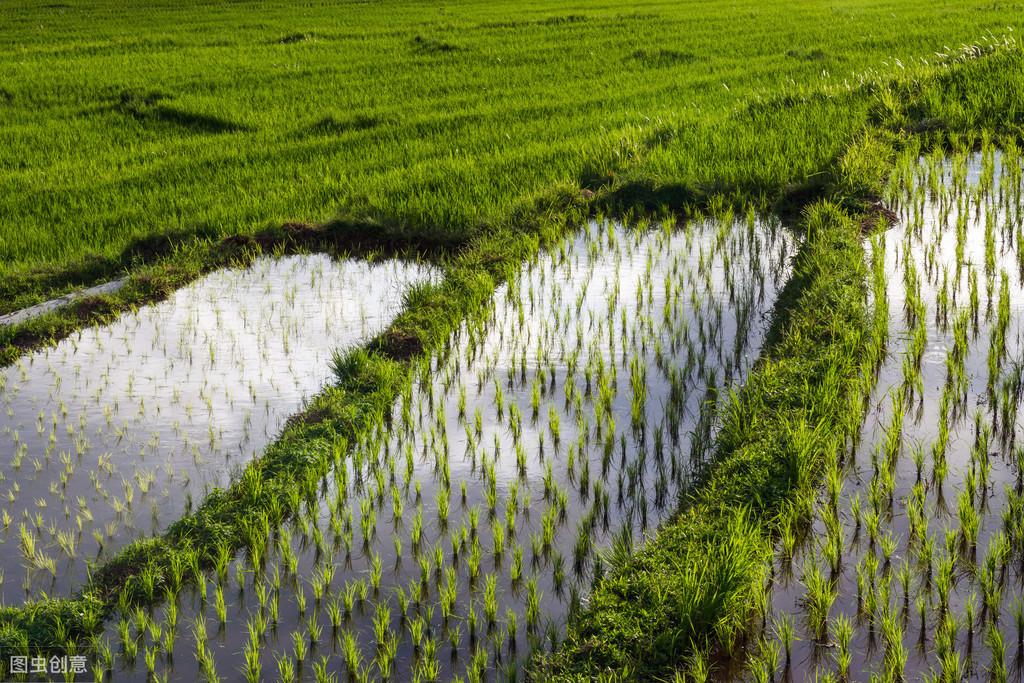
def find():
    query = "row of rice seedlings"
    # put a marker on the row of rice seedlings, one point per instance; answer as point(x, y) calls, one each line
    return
point(909, 564)
point(115, 432)
point(459, 535)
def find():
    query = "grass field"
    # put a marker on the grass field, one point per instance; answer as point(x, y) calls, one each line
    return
point(127, 124)
point(164, 140)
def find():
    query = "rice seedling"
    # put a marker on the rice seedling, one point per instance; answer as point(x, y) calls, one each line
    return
point(285, 669)
point(219, 604)
point(843, 632)
point(820, 596)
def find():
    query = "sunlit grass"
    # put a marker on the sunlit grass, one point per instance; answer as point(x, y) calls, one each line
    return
point(188, 121)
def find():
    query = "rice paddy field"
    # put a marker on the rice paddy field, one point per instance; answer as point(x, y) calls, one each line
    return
point(364, 341)
point(131, 127)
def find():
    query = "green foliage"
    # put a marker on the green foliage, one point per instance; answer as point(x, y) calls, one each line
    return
point(129, 131)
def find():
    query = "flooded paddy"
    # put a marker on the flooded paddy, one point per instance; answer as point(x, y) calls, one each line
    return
point(461, 536)
point(120, 430)
point(913, 565)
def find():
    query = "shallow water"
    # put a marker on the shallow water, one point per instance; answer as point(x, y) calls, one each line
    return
point(911, 562)
point(115, 433)
point(611, 315)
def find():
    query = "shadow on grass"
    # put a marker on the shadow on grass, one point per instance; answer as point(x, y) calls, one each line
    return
point(432, 46)
point(93, 269)
point(660, 58)
point(193, 121)
point(151, 107)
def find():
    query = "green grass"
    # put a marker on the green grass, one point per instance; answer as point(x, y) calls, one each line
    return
point(129, 127)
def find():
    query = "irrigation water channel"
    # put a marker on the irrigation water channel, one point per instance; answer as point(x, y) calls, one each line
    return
point(117, 432)
point(460, 537)
point(24, 314)
point(912, 565)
